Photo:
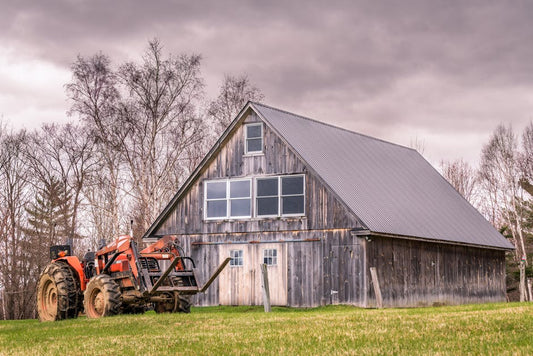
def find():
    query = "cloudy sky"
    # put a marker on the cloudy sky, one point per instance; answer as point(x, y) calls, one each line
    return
point(443, 73)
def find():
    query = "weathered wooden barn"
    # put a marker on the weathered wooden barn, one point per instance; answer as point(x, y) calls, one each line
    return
point(321, 206)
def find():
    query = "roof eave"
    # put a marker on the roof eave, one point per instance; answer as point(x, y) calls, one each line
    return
point(445, 242)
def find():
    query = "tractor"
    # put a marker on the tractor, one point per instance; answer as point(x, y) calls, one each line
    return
point(118, 279)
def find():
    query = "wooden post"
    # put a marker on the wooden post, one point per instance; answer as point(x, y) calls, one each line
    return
point(4, 303)
point(529, 281)
point(523, 292)
point(265, 287)
point(377, 290)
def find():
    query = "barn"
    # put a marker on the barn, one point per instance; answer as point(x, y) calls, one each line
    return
point(333, 214)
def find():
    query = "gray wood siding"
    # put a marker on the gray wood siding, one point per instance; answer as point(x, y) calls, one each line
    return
point(316, 262)
point(415, 273)
point(344, 266)
point(330, 271)
point(323, 209)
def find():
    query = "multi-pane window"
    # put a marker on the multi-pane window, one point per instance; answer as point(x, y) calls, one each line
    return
point(236, 258)
point(292, 195)
point(270, 257)
point(254, 138)
point(228, 199)
point(274, 196)
point(216, 199)
point(277, 196)
point(267, 197)
point(240, 199)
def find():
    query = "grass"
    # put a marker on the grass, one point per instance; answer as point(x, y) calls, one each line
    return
point(492, 329)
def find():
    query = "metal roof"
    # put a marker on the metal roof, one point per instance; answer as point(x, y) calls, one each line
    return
point(392, 189)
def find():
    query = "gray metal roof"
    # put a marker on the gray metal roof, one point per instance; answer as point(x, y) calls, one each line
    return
point(391, 188)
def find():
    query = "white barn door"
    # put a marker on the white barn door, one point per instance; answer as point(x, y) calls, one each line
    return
point(240, 282)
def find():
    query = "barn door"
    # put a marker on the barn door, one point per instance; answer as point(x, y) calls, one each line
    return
point(345, 275)
point(275, 257)
point(237, 278)
point(240, 282)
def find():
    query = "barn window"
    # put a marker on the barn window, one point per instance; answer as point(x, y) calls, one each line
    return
point(292, 195)
point(270, 257)
point(254, 138)
point(280, 196)
point(240, 198)
point(236, 258)
point(216, 199)
point(267, 197)
point(228, 199)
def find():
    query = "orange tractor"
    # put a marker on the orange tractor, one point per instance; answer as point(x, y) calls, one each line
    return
point(119, 279)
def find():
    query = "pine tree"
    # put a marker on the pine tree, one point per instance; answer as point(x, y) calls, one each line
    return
point(48, 219)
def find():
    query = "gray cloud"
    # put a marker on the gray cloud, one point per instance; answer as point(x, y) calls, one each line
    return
point(393, 69)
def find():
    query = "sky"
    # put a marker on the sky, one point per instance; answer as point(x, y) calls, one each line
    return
point(440, 73)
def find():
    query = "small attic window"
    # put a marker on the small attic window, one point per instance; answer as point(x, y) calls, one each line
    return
point(253, 138)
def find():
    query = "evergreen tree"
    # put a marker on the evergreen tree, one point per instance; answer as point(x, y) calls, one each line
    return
point(48, 219)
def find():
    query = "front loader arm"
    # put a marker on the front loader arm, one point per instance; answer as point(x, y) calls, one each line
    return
point(123, 246)
point(215, 275)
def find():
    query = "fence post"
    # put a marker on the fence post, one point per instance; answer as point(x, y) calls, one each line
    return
point(529, 282)
point(377, 290)
point(265, 287)
point(523, 291)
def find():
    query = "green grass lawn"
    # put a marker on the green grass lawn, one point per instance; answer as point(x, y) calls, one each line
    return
point(489, 329)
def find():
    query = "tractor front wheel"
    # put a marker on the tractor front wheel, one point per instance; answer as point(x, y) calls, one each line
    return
point(102, 297)
point(57, 293)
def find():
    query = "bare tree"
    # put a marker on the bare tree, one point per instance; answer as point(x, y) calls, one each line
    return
point(17, 275)
point(79, 153)
point(462, 177)
point(143, 120)
point(95, 99)
point(63, 152)
point(234, 93)
point(526, 182)
point(526, 159)
point(500, 177)
point(161, 123)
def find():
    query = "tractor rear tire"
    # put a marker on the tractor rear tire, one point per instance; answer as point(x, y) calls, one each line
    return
point(58, 293)
point(102, 297)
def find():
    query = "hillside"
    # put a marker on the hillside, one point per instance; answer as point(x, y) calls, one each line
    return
point(473, 329)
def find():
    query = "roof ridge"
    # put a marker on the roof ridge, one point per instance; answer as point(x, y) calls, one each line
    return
point(333, 126)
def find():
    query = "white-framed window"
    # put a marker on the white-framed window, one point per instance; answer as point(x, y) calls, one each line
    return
point(216, 203)
point(280, 196)
point(229, 198)
point(270, 257)
point(253, 138)
point(267, 196)
point(236, 258)
point(292, 195)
